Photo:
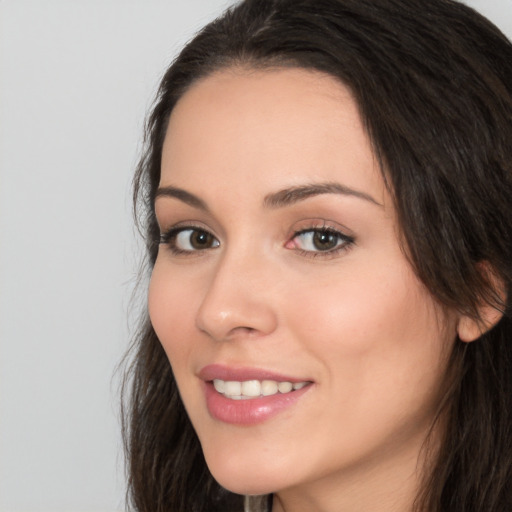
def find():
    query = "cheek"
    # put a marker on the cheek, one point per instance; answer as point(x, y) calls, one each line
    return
point(169, 306)
point(353, 307)
point(382, 346)
point(376, 326)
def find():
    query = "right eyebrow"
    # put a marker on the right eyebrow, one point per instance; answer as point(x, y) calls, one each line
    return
point(292, 195)
point(182, 195)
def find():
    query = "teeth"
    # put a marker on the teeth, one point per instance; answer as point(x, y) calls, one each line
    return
point(251, 388)
point(219, 385)
point(254, 388)
point(232, 388)
point(269, 387)
point(285, 387)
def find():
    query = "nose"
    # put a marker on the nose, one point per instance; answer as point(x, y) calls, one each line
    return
point(238, 299)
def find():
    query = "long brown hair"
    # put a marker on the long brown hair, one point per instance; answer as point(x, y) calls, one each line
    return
point(433, 81)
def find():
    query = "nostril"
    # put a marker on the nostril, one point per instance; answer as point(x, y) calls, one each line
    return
point(245, 330)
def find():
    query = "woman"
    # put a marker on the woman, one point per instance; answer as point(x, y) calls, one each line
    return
point(327, 190)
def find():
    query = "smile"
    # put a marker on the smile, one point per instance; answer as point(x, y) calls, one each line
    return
point(249, 395)
point(250, 389)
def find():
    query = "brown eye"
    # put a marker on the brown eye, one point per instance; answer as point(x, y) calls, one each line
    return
point(320, 241)
point(183, 240)
point(324, 240)
point(200, 239)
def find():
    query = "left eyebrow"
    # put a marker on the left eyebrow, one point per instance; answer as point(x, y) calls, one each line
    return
point(182, 195)
point(292, 195)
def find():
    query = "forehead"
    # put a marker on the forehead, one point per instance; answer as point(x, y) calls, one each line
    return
point(272, 128)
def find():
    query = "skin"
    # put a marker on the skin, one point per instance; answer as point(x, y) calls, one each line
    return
point(356, 322)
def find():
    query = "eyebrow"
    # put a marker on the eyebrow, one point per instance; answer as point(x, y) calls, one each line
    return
point(280, 199)
point(182, 195)
point(292, 195)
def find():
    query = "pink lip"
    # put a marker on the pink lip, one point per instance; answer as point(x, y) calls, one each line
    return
point(250, 411)
point(219, 371)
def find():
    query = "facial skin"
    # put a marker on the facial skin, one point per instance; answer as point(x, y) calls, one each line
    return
point(350, 317)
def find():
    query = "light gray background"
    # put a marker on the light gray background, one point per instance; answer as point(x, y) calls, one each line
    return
point(76, 78)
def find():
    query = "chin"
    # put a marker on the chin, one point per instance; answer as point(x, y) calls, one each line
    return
point(238, 475)
point(241, 486)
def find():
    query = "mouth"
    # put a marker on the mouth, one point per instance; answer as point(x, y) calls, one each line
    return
point(246, 396)
point(251, 389)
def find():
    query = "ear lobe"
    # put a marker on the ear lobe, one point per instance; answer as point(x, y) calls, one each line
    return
point(470, 329)
point(490, 311)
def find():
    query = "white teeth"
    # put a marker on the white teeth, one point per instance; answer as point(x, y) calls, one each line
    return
point(219, 385)
point(232, 388)
point(285, 387)
point(251, 388)
point(254, 388)
point(269, 387)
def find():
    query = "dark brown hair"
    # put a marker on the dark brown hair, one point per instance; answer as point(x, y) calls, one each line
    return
point(433, 81)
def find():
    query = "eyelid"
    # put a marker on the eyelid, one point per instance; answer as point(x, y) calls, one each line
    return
point(168, 238)
point(346, 238)
point(182, 225)
point(320, 224)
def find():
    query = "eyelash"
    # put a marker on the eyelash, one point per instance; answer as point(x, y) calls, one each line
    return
point(170, 236)
point(343, 242)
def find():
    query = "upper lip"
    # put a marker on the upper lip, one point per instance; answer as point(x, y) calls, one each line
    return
point(241, 374)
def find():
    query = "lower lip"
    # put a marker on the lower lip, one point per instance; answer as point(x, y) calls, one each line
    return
point(250, 411)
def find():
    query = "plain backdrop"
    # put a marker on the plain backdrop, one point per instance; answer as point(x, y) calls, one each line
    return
point(76, 79)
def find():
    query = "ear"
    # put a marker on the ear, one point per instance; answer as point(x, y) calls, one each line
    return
point(470, 329)
point(489, 313)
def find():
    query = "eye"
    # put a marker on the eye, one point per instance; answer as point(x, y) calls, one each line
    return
point(319, 241)
point(188, 239)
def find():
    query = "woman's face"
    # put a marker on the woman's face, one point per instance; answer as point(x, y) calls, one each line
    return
point(280, 281)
